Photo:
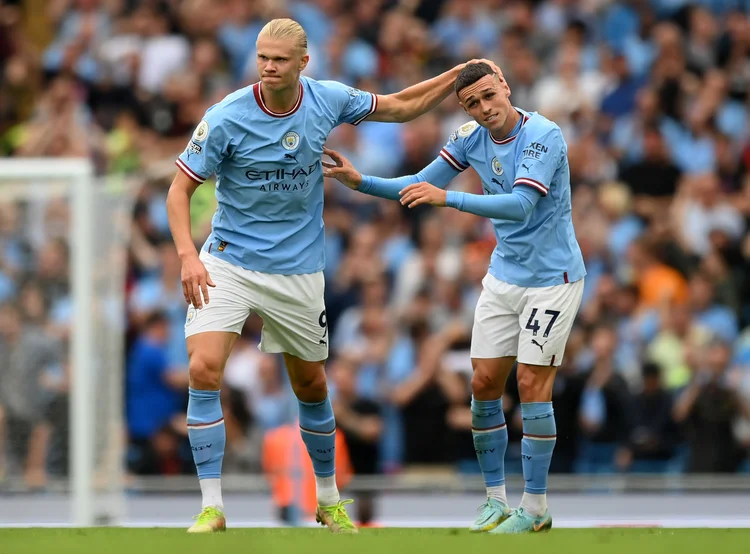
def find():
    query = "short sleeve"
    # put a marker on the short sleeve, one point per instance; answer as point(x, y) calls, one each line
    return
point(353, 105)
point(208, 146)
point(540, 158)
point(454, 151)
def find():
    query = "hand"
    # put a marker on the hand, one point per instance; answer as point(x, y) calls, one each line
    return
point(492, 64)
point(423, 193)
point(195, 280)
point(343, 170)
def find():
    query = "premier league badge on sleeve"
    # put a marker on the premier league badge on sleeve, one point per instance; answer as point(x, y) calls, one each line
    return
point(201, 132)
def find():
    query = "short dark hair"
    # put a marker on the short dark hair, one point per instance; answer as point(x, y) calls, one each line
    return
point(471, 73)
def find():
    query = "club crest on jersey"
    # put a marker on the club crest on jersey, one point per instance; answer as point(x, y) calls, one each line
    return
point(201, 131)
point(290, 141)
point(497, 168)
point(467, 128)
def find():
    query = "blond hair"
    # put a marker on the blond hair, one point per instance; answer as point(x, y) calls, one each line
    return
point(286, 28)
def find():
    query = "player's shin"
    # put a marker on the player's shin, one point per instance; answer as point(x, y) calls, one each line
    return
point(207, 434)
point(539, 437)
point(318, 428)
point(490, 442)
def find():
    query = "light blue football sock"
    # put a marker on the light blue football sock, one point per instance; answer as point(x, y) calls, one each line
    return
point(490, 439)
point(318, 428)
point(539, 437)
point(206, 432)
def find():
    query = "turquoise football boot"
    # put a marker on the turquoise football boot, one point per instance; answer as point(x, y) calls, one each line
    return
point(520, 521)
point(491, 514)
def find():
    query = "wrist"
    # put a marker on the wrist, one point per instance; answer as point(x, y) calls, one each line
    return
point(365, 182)
point(453, 199)
point(187, 253)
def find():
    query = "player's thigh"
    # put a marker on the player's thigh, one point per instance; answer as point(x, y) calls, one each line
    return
point(294, 317)
point(495, 331)
point(546, 321)
point(230, 301)
point(535, 382)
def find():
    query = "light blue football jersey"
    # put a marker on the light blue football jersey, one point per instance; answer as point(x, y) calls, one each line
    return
point(541, 250)
point(269, 184)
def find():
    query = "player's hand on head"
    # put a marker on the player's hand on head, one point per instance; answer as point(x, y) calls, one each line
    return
point(342, 169)
point(423, 193)
point(195, 281)
point(492, 64)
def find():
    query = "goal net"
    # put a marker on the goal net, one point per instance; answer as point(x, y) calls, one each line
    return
point(63, 245)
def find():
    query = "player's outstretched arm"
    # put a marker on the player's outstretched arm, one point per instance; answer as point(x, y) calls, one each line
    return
point(439, 172)
point(415, 100)
point(513, 207)
point(195, 277)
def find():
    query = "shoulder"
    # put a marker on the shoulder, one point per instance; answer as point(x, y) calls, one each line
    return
point(538, 126)
point(466, 133)
point(225, 113)
point(232, 104)
point(228, 110)
point(328, 89)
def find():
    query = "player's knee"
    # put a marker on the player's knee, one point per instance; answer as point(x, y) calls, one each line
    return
point(483, 383)
point(534, 385)
point(310, 386)
point(205, 373)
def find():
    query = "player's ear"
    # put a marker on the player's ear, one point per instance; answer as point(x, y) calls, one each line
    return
point(463, 107)
point(304, 61)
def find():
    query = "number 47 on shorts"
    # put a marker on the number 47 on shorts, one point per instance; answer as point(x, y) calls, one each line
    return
point(533, 323)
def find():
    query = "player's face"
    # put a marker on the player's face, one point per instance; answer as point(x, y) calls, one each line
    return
point(279, 63)
point(487, 101)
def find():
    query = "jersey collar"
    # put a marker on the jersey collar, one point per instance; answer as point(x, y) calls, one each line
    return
point(516, 130)
point(262, 105)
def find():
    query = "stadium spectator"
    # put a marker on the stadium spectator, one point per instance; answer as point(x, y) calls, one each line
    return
point(360, 420)
point(155, 402)
point(654, 437)
point(708, 409)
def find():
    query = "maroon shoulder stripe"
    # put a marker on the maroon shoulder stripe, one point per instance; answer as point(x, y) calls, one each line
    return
point(448, 157)
point(373, 109)
point(189, 172)
point(532, 183)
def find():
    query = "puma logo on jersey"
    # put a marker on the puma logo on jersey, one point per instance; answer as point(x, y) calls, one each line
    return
point(290, 157)
point(541, 346)
point(526, 167)
point(498, 183)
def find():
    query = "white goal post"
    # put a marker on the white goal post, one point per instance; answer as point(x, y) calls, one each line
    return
point(97, 235)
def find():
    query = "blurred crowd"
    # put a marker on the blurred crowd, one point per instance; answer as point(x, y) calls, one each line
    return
point(652, 97)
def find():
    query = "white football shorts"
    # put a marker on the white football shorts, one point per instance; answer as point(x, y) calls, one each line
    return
point(291, 307)
point(530, 323)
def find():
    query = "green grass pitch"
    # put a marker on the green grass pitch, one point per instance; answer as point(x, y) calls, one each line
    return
point(372, 541)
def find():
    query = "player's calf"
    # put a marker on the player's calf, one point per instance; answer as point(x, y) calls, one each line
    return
point(205, 422)
point(490, 435)
point(318, 428)
point(539, 434)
